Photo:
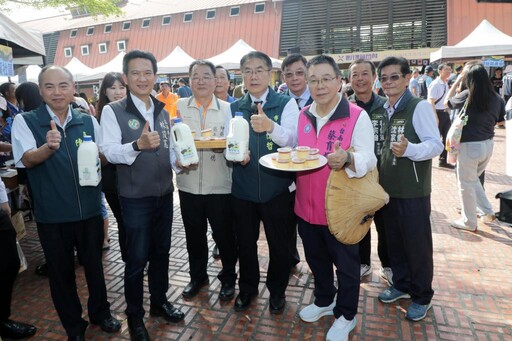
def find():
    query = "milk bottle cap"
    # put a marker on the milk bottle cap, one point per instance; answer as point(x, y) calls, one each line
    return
point(87, 138)
point(177, 120)
point(239, 113)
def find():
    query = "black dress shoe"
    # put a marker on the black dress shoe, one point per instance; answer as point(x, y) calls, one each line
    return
point(277, 304)
point(192, 288)
point(215, 252)
point(138, 331)
point(168, 312)
point(76, 338)
point(227, 292)
point(10, 329)
point(446, 165)
point(243, 300)
point(109, 325)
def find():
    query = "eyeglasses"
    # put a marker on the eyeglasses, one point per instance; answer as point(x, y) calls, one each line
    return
point(299, 73)
point(324, 80)
point(202, 79)
point(258, 72)
point(392, 78)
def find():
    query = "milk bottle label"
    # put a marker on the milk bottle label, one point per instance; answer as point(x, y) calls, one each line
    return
point(234, 147)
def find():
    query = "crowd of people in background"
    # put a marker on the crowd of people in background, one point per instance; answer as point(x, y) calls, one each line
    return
point(388, 117)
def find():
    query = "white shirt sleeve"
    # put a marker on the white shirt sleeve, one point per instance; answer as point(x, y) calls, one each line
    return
point(22, 140)
point(425, 125)
point(286, 133)
point(363, 144)
point(111, 146)
point(3, 193)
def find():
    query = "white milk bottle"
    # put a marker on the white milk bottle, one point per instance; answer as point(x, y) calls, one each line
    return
point(184, 145)
point(237, 142)
point(89, 165)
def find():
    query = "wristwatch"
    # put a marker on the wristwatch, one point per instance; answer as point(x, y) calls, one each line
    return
point(135, 146)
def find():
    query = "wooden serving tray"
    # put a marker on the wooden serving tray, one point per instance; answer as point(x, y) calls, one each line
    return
point(211, 144)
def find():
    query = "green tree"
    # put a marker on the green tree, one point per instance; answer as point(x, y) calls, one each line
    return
point(94, 7)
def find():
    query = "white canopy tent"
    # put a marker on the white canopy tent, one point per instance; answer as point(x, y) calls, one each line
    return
point(230, 58)
point(27, 45)
point(115, 65)
point(177, 61)
point(77, 68)
point(485, 40)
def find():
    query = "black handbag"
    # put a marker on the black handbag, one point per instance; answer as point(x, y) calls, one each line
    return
point(505, 213)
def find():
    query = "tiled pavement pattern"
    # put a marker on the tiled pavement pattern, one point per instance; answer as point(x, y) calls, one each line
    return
point(472, 283)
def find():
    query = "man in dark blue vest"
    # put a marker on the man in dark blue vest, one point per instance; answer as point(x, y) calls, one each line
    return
point(68, 216)
point(261, 194)
point(136, 133)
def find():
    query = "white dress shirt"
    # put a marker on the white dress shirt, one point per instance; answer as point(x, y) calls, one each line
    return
point(111, 136)
point(23, 139)
point(425, 125)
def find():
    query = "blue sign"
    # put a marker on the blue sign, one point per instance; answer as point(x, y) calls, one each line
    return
point(6, 61)
point(494, 63)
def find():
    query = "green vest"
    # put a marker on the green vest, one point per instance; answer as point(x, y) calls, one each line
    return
point(57, 195)
point(254, 182)
point(400, 176)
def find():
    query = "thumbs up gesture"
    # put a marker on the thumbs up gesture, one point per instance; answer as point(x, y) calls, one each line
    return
point(337, 159)
point(53, 136)
point(260, 122)
point(148, 139)
point(398, 148)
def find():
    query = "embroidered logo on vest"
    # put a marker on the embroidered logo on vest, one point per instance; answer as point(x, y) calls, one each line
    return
point(134, 124)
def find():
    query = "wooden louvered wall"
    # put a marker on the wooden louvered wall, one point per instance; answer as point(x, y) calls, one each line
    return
point(345, 26)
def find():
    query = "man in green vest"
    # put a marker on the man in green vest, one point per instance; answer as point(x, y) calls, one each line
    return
point(411, 140)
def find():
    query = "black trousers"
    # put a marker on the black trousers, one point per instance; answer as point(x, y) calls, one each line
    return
point(9, 264)
point(197, 211)
point(365, 245)
point(322, 252)
point(275, 217)
point(444, 125)
point(59, 241)
point(409, 236)
point(292, 232)
point(115, 206)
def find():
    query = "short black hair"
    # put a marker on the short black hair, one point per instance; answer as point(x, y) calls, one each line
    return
point(259, 55)
point(134, 54)
point(324, 59)
point(28, 94)
point(201, 62)
point(293, 58)
point(5, 87)
point(363, 61)
point(55, 67)
point(405, 69)
point(220, 67)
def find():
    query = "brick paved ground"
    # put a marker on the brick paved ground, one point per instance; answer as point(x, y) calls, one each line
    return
point(472, 281)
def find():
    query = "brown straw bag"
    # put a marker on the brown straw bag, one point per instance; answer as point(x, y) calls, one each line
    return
point(350, 204)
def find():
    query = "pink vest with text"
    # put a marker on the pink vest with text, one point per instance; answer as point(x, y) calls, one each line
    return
point(311, 185)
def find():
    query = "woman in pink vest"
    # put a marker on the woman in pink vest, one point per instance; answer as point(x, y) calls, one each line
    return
point(333, 125)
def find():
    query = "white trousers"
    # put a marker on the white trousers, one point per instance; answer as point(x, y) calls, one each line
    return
point(471, 162)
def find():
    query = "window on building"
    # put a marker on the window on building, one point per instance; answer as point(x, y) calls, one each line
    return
point(145, 23)
point(126, 25)
point(85, 50)
point(210, 14)
point(68, 52)
point(108, 28)
point(166, 20)
point(234, 11)
point(187, 17)
point(77, 12)
point(121, 45)
point(102, 47)
point(73, 33)
point(259, 8)
point(90, 31)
